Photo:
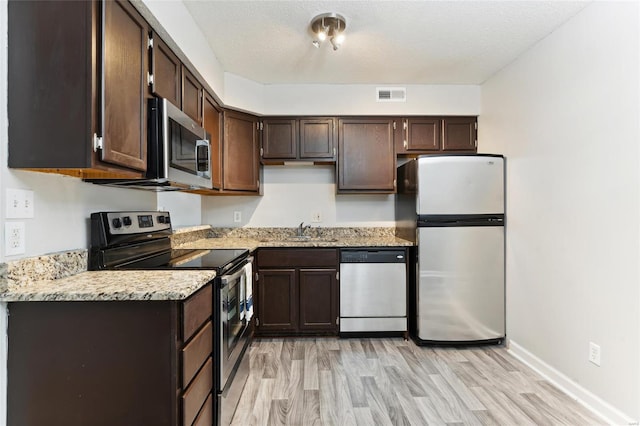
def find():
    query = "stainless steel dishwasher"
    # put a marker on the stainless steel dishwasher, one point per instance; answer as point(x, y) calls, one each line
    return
point(373, 290)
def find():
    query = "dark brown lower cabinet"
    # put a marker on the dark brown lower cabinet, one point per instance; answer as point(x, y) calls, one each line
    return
point(277, 294)
point(297, 291)
point(318, 299)
point(125, 363)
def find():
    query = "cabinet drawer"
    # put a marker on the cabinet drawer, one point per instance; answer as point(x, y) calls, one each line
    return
point(205, 418)
point(297, 257)
point(196, 311)
point(194, 397)
point(195, 353)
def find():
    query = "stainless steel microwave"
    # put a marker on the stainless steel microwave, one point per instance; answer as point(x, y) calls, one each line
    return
point(179, 149)
point(178, 152)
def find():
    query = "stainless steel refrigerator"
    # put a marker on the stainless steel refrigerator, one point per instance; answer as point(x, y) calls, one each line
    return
point(452, 206)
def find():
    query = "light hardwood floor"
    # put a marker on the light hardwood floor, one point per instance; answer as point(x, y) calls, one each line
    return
point(330, 381)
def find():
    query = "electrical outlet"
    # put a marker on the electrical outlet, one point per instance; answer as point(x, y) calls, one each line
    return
point(237, 216)
point(594, 353)
point(14, 238)
point(316, 217)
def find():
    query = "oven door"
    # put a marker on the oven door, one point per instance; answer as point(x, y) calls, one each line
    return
point(233, 320)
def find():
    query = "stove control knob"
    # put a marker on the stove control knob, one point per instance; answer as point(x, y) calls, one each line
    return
point(126, 221)
point(160, 219)
point(167, 220)
point(116, 222)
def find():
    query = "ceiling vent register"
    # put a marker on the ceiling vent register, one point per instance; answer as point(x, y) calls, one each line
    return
point(391, 94)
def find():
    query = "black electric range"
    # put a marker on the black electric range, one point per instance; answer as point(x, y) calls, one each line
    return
point(221, 260)
point(140, 240)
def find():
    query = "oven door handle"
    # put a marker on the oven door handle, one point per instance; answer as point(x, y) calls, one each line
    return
point(226, 279)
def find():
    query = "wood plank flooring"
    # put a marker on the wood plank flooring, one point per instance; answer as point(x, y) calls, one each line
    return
point(331, 381)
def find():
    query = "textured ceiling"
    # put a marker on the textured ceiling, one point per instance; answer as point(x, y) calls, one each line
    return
point(387, 42)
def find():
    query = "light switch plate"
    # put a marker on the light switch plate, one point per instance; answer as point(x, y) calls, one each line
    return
point(19, 204)
point(12, 203)
point(28, 206)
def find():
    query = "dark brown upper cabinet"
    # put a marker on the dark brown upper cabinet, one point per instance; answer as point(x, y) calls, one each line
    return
point(304, 139)
point(241, 157)
point(191, 96)
point(317, 137)
point(212, 117)
point(459, 134)
point(366, 156)
point(428, 135)
point(418, 134)
point(77, 92)
point(279, 139)
point(166, 71)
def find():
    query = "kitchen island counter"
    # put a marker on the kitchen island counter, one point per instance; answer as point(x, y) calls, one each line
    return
point(111, 286)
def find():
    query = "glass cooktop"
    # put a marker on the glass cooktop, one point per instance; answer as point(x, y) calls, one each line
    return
point(218, 259)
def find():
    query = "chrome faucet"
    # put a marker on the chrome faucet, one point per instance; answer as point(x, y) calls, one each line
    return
point(301, 229)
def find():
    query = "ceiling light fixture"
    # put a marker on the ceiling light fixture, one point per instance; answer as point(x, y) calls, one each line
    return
point(331, 26)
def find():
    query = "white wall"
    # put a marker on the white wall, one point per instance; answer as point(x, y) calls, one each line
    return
point(185, 208)
point(360, 99)
point(566, 114)
point(243, 94)
point(292, 194)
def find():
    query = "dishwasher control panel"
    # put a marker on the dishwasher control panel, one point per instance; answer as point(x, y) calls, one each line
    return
point(372, 256)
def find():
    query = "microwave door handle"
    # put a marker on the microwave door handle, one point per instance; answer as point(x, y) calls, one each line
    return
point(199, 143)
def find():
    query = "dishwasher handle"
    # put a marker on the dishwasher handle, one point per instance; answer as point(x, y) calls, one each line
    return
point(373, 256)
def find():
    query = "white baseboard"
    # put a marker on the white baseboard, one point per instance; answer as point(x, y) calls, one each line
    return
point(599, 407)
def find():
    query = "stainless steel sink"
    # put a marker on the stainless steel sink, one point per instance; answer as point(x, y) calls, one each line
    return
point(297, 239)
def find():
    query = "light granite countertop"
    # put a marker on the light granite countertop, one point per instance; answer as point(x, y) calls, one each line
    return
point(253, 244)
point(112, 285)
point(64, 277)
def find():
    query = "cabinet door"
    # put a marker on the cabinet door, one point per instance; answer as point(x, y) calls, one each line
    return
point(318, 299)
point(125, 86)
point(316, 138)
point(240, 152)
point(279, 139)
point(277, 300)
point(211, 123)
point(165, 67)
point(459, 134)
point(191, 96)
point(366, 158)
point(420, 134)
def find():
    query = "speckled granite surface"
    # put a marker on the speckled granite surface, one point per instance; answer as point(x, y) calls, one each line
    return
point(112, 285)
point(188, 229)
point(63, 276)
point(3, 276)
point(46, 267)
point(253, 238)
point(317, 232)
point(188, 234)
